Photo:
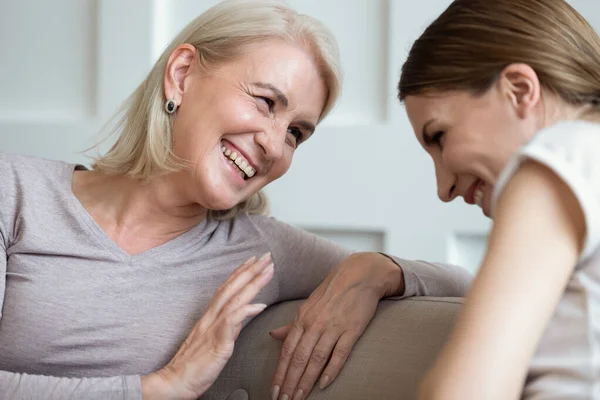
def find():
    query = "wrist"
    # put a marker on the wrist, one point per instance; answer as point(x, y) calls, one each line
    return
point(157, 386)
point(387, 277)
point(154, 387)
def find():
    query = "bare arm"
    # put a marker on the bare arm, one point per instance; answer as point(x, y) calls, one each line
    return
point(537, 237)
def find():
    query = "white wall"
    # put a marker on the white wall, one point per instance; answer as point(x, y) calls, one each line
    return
point(362, 180)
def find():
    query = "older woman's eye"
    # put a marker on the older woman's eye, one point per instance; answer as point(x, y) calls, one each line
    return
point(270, 103)
point(296, 134)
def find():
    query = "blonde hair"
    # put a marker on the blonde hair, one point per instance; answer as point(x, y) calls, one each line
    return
point(143, 149)
point(468, 46)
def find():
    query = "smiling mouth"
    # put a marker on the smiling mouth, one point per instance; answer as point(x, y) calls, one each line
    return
point(479, 193)
point(244, 169)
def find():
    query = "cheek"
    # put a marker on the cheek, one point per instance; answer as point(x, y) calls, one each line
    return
point(237, 112)
point(455, 158)
point(190, 142)
point(196, 133)
point(281, 166)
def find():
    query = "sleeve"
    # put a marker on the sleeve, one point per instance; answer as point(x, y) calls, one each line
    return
point(17, 386)
point(571, 150)
point(422, 278)
point(28, 387)
point(303, 260)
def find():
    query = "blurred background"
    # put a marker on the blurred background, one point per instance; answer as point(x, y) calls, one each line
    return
point(362, 180)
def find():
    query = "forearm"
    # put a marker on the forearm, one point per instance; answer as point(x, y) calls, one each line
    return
point(23, 386)
point(392, 276)
point(423, 278)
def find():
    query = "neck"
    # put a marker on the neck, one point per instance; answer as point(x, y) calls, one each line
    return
point(126, 208)
point(555, 109)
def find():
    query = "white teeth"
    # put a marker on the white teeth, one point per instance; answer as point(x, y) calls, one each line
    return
point(478, 196)
point(234, 158)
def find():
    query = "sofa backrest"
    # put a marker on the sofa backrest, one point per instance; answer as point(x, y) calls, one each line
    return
point(387, 362)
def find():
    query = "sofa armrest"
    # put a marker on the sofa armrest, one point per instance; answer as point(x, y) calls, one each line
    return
point(387, 362)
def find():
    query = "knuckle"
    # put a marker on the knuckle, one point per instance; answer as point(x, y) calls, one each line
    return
point(287, 352)
point(319, 357)
point(341, 353)
point(229, 319)
point(298, 325)
point(303, 309)
point(299, 359)
point(234, 303)
point(319, 325)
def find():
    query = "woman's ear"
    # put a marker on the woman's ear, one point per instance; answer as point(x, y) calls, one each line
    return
point(178, 68)
point(520, 84)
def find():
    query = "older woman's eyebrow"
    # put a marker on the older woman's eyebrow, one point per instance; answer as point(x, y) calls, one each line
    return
point(278, 93)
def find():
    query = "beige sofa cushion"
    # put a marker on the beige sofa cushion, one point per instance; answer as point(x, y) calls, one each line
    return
point(387, 362)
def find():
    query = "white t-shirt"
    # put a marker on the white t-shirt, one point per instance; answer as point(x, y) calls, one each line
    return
point(567, 362)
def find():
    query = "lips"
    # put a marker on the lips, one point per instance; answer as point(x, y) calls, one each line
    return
point(249, 160)
point(239, 160)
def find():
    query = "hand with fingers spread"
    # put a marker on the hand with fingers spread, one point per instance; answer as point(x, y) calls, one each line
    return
point(330, 322)
point(204, 353)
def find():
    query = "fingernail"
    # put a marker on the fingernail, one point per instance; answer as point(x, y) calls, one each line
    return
point(260, 306)
point(299, 394)
point(275, 394)
point(267, 269)
point(271, 334)
point(324, 382)
point(250, 260)
point(265, 256)
point(285, 397)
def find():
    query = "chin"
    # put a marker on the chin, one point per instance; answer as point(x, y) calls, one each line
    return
point(219, 202)
point(224, 206)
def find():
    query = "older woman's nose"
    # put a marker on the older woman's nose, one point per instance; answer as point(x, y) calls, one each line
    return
point(271, 142)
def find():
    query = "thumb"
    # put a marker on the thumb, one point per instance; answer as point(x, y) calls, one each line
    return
point(281, 333)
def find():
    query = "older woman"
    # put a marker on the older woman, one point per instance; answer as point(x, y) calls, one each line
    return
point(119, 282)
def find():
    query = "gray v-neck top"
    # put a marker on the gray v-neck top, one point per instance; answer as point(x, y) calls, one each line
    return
point(83, 319)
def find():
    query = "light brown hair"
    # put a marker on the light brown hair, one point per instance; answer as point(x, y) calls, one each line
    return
point(469, 44)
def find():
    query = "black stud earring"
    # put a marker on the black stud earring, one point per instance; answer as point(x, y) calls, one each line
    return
point(170, 106)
